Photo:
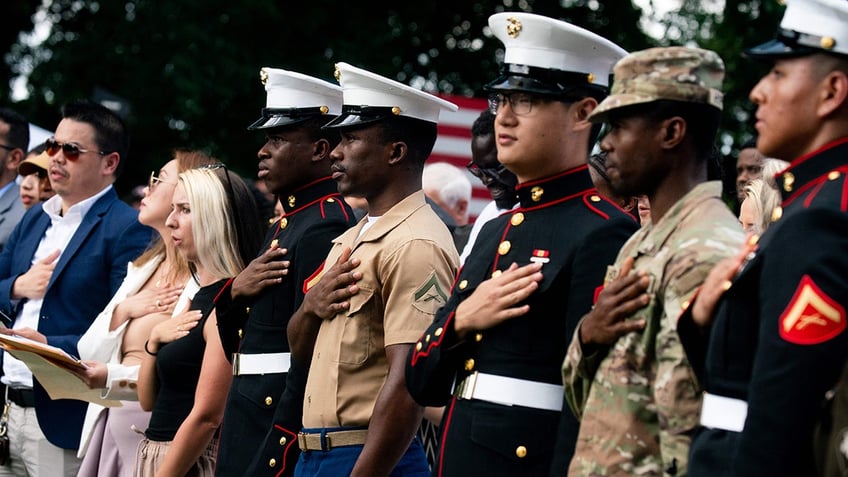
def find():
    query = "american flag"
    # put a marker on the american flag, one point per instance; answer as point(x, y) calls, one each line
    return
point(453, 144)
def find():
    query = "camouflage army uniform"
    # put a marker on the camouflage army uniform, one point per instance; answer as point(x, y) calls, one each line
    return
point(639, 400)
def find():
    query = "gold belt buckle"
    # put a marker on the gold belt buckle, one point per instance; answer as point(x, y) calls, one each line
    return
point(465, 390)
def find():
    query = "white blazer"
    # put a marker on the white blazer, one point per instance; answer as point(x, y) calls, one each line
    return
point(99, 343)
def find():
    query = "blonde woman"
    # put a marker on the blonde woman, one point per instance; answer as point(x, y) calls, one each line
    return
point(157, 286)
point(184, 373)
point(761, 205)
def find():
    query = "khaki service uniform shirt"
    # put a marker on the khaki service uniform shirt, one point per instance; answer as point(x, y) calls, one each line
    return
point(408, 261)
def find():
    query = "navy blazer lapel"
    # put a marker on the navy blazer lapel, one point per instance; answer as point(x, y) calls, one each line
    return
point(27, 248)
point(91, 219)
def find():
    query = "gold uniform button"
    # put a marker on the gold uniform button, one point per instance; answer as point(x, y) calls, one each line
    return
point(788, 181)
point(517, 219)
point(478, 337)
point(776, 214)
point(504, 247)
point(427, 338)
point(331, 200)
point(283, 441)
point(833, 175)
point(268, 400)
point(438, 331)
point(284, 222)
point(594, 198)
point(521, 452)
point(496, 273)
point(469, 364)
point(463, 284)
point(272, 462)
point(241, 333)
point(418, 346)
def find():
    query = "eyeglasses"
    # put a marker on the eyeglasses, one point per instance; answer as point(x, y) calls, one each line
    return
point(154, 181)
point(71, 151)
point(519, 103)
point(486, 173)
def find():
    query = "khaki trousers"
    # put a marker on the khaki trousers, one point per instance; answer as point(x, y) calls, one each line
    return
point(31, 455)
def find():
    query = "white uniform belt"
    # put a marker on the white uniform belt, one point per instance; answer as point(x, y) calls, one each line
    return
point(511, 391)
point(719, 412)
point(261, 363)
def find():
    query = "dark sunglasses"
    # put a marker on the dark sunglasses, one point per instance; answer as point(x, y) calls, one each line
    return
point(69, 150)
point(492, 173)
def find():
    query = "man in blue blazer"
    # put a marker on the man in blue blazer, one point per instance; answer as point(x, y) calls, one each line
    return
point(59, 268)
point(14, 139)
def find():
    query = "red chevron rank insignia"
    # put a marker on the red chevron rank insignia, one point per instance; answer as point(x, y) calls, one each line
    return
point(811, 317)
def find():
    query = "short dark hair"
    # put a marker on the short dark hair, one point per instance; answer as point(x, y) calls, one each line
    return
point(18, 136)
point(419, 135)
point(484, 124)
point(750, 144)
point(110, 132)
point(702, 120)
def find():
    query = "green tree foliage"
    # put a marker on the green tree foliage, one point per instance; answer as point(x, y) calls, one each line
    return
point(728, 30)
point(16, 18)
point(189, 69)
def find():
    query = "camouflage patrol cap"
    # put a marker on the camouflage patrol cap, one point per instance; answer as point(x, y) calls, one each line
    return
point(676, 73)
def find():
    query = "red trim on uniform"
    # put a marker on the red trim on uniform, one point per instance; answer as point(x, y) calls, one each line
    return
point(289, 442)
point(503, 237)
point(843, 205)
point(598, 291)
point(818, 151)
point(592, 207)
point(223, 289)
point(809, 199)
point(552, 203)
point(445, 428)
point(334, 195)
point(811, 317)
point(433, 343)
point(801, 190)
point(321, 200)
point(543, 180)
point(316, 181)
point(321, 207)
point(306, 285)
point(344, 211)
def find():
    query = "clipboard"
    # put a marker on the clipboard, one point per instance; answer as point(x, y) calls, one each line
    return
point(54, 369)
point(53, 354)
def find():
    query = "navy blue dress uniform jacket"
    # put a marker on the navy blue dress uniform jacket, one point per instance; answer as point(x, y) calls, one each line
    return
point(778, 338)
point(564, 222)
point(88, 273)
point(314, 215)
